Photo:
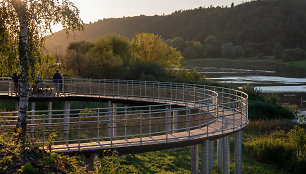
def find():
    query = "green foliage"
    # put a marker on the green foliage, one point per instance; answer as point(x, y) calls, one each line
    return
point(275, 148)
point(110, 163)
point(39, 16)
point(153, 162)
point(105, 59)
point(261, 107)
point(51, 139)
point(149, 71)
point(297, 137)
point(147, 57)
point(28, 158)
point(151, 48)
point(76, 60)
point(28, 169)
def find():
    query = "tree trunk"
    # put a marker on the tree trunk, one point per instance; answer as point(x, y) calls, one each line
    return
point(20, 8)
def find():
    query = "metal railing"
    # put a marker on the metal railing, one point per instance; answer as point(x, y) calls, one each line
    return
point(182, 112)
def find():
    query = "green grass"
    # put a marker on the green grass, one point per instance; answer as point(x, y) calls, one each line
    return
point(298, 64)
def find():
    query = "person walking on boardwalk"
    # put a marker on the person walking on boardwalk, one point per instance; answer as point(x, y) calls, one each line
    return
point(16, 82)
point(57, 80)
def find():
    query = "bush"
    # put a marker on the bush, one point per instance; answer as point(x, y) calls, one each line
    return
point(28, 158)
point(261, 107)
point(276, 149)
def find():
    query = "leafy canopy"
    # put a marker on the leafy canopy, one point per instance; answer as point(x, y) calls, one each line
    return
point(40, 16)
point(151, 48)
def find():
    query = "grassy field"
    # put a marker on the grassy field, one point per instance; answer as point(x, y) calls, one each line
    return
point(299, 64)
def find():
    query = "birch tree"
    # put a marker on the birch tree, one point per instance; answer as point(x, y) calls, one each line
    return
point(28, 21)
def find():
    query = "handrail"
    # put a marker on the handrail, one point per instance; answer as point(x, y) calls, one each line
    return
point(180, 110)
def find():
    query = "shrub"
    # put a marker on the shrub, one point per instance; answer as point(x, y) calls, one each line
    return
point(276, 149)
point(261, 107)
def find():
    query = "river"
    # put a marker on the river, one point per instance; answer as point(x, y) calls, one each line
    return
point(287, 84)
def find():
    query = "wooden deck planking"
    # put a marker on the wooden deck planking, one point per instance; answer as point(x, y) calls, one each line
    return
point(231, 119)
point(214, 130)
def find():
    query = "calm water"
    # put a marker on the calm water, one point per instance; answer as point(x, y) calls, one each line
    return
point(289, 90)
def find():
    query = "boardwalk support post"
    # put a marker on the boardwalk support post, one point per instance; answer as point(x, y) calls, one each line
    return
point(226, 155)
point(220, 153)
point(195, 159)
point(238, 152)
point(212, 154)
point(205, 157)
point(67, 120)
point(112, 127)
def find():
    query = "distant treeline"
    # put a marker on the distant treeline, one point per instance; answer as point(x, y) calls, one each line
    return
point(263, 27)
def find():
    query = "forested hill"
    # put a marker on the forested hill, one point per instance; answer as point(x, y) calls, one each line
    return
point(263, 23)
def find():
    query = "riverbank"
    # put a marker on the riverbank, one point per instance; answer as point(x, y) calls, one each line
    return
point(266, 65)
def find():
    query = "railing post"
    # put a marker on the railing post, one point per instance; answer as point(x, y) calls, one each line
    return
point(63, 85)
point(145, 89)
point(99, 83)
point(127, 89)
point(44, 130)
point(175, 122)
point(184, 92)
point(79, 133)
point(33, 119)
point(171, 91)
point(194, 95)
point(176, 94)
point(118, 88)
point(104, 85)
point(158, 90)
point(153, 88)
point(207, 124)
point(150, 121)
point(67, 121)
point(125, 122)
point(113, 88)
point(140, 90)
point(89, 86)
point(132, 88)
point(50, 112)
point(189, 124)
point(167, 121)
point(98, 126)
point(140, 126)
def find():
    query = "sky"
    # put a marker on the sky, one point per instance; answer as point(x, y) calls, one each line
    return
point(93, 10)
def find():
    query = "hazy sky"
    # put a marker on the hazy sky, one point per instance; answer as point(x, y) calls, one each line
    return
point(93, 10)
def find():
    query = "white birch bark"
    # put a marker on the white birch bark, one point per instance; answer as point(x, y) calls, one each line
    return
point(20, 9)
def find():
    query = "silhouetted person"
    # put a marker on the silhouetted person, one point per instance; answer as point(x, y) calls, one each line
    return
point(16, 79)
point(57, 80)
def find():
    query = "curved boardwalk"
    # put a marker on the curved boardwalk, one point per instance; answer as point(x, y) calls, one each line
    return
point(169, 115)
point(137, 116)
